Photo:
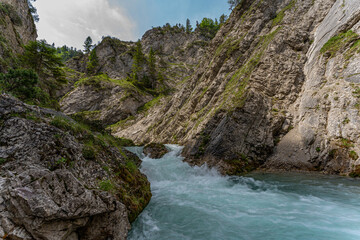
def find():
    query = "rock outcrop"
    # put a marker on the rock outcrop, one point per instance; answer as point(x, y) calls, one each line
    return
point(110, 98)
point(155, 150)
point(100, 98)
point(60, 180)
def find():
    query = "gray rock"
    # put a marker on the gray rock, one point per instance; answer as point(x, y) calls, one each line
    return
point(49, 190)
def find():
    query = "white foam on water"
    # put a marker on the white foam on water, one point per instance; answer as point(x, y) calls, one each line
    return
point(198, 203)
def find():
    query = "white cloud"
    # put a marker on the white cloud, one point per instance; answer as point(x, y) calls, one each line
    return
point(71, 21)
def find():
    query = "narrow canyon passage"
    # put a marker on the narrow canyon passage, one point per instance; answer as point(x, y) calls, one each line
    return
point(198, 203)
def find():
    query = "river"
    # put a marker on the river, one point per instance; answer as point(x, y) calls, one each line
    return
point(197, 203)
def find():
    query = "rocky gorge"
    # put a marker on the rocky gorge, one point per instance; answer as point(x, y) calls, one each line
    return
point(277, 88)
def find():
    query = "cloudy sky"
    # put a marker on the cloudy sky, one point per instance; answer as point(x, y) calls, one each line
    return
point(71, 21)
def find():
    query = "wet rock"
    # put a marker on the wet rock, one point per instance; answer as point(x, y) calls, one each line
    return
point(155, 150)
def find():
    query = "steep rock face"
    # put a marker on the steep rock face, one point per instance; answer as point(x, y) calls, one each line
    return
point(113, 99)
point(16, 28)
point(178, 52)
point(59, 180)
point(235, 107)
point(326, 115)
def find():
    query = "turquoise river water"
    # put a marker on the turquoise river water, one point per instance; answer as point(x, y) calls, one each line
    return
point(197, 203)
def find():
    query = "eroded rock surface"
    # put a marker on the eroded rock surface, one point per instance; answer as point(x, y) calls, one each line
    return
point(103, 99)
point(59, 180)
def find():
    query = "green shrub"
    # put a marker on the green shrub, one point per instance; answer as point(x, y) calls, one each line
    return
point(353, 155)
point(332, 153)
point(61, 161)
point(356, 172)
point(61, 123)
point(11, 12)
point(20, 82)
point(346, 143)
point(131, 166)
point(106, 185)
point(2, 161)
point(88, 153)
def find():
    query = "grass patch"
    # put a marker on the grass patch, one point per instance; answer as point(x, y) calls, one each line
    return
point(340, 41)
point(356, 172)
point(106, 185)
point(280, 16)
point(353, 155)
point(346, 143)
point(3, 161)
point(89, 153)
point(122, 123)
point(145, 108)
point(131, 166)
point(99, 83)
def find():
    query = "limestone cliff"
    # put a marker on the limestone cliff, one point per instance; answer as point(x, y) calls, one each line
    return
point(16, 29)
point(326, 115)
point(265, 80)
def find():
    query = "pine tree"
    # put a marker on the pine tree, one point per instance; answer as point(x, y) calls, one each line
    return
point(223, 19)
point(188, 26)
point(93, 62)
point(233, 3)
point(138, 61)
point(209, 27)
point(152, 68)
point(20, 82)
point(88, 44)
point(139, 57)
point(41, 57)
point(33, 10)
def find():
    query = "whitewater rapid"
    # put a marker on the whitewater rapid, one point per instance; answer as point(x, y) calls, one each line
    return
point(195, 203)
